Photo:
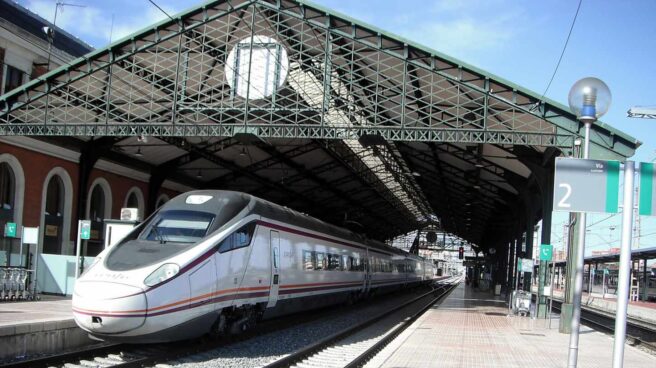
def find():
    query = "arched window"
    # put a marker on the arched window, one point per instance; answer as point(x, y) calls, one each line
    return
point(132, 201)
point(163, 198)
point(56, 208)
point(97, 205)
point(55, 197)
point(53, 216)
point(99, 208)
point(7, 187)
point(135, 199)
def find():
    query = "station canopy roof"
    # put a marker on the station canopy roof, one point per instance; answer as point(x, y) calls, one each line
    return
point(314, 110)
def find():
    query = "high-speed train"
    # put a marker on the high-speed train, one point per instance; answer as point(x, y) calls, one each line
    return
point(218, 261)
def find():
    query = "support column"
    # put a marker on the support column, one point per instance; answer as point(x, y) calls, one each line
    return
point(511, 267)
point(645, 279)
point(530, 229)
point(157, 178)
point(547, 209)
point(518, 254)
point(567, 307)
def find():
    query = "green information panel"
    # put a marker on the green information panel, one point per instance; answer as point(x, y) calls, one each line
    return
point(582, 185)
point(10, 230)
point(646, 205)
point(85, 230)
point(546, 252)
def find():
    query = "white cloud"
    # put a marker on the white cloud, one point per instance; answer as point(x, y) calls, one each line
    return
point(466, 29)
point(93, 24)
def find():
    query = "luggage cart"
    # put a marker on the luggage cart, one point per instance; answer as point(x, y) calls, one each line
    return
point(4, 280)
point(17, 283)
point(522, 305)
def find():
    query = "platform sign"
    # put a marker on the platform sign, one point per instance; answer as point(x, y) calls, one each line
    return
point(582, 185)
point(546, 252)
point(10, 230)
point(646, 204)
point(85, 229)
point(525, 265)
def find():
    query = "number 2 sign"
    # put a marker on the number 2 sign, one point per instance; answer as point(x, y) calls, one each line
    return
point(582, 185)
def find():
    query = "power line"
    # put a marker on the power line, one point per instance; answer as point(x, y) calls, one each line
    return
point(563, 52)
point(167, 14)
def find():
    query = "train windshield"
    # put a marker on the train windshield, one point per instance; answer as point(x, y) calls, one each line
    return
point(178, 226)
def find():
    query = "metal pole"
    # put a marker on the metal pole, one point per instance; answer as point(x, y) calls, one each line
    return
point(625, 263)
point(603, 285)
point(591, 273)
point(77, 250)
point(586, 147)
point(578, 273)
point(578, 289)
point(20, 251)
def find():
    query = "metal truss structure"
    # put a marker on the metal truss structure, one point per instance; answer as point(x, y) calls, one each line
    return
point(380, 126)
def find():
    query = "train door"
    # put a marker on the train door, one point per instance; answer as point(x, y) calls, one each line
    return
point(202, 285)
point(367, 272)
point(275, 268)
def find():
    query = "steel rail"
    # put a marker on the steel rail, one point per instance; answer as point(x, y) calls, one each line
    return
point(314, 348)
point(141, 355)
point(586, 313)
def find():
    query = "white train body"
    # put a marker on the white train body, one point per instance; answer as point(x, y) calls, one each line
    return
point(212, 261)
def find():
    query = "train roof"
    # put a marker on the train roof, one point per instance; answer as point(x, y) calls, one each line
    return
point(271, 210)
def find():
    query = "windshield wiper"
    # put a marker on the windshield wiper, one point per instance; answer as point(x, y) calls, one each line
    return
point(158, 236)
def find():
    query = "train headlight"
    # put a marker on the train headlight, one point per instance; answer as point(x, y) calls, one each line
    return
point(165, 272)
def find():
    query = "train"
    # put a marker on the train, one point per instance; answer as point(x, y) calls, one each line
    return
point(216, 262)
point(610, 281)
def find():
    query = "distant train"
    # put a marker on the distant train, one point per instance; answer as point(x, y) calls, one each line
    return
point(611, 279)
point(219, 261)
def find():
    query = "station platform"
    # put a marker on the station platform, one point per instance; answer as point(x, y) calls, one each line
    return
point(38, 327)
point(473, 329)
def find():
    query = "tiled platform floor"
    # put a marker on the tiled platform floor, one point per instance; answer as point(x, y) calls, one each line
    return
point(13, 313)
point(471, 329)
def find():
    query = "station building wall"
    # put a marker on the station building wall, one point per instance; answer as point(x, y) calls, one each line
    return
point(34, 163)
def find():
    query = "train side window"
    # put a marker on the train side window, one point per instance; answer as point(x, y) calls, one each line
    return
point(346, 262)
point(333, 262)
point(308, 260)
point(239, 239)
point(322, 262)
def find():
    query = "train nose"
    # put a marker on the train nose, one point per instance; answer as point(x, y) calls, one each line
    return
point(107, 308)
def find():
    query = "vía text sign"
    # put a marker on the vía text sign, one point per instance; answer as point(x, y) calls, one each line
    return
point(582, 185)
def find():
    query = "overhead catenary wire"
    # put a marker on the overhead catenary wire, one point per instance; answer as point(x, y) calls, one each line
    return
point(162, 10)
point(562, 53)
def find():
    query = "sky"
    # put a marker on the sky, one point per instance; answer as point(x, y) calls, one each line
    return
point(517, 40)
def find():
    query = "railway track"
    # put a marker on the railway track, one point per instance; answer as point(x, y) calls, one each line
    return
point(354, 346)
point(638, 333)
point(125, 355)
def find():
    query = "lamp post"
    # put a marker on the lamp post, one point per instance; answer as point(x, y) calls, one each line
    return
point(588, 99)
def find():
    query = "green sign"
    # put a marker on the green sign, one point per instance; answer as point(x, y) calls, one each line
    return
point(525, 265)
point(546, 252)
point(646, 203)
point(10, 230)
point(85, 230)
point(582, 185)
